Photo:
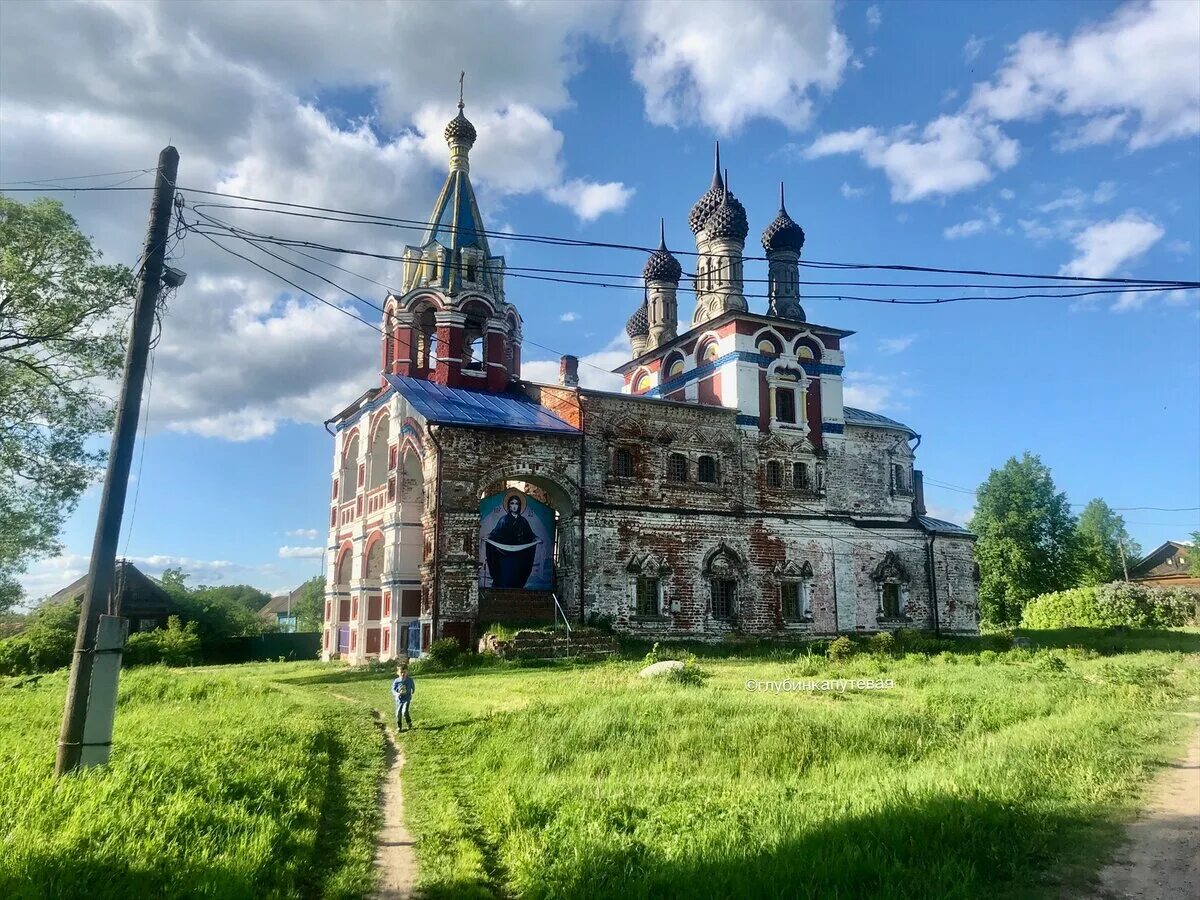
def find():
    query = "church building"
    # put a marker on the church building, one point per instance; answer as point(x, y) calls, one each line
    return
point(726, 490)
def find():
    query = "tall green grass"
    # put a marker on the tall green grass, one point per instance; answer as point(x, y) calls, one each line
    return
point(979, 774)
point(220, 786)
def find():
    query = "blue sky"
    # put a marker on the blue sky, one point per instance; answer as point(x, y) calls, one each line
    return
point(1027, 137)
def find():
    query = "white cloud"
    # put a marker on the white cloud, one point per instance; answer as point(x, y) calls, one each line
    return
point(311, 533)
point(1102, 130)
point(1137, 74)
point(1007, 194)
point(955, 514)
point(874, 16)
point(569, 317)
point(1104, 247)
point(951, 154)
point(595, 369)
point(1075, 200)
point(988, 219)
point(1130, 301)
point(590, 200)
point(301, 552)
point(896, 344)
point(724, 63)
point(972, 48)
point(1180, 247)
point(851, 193)
point(876, 392)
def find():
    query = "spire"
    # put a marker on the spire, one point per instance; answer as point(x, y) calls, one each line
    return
point(662, 264)
point(711, 198)
point(716, 182)
point(782, 208)
point(783, 233)
point(662, 233)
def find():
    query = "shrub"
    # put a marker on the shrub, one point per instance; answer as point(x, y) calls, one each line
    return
point(444, 652)
point(690, 675)
point(842, 648)
point(175, 645)
point(883, 644)
point(1110, 606)
point(37, 649)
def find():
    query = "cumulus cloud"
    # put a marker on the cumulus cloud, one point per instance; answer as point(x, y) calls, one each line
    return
point(972, 48)
point(569, 317)
point(724, 63)
point(950, 154)
point(1130, 302)
point(876, 392)
point(311, 533)
point(1135, 75)
point(988, 219)
point(590, 200)
point(1104, 247)
point(301, 552)
point(874, 16)
point(595, 369)
point(896, 344)
point(853, 193)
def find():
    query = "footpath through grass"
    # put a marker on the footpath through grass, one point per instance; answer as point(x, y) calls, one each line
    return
point(977, 774)
point(221, 785)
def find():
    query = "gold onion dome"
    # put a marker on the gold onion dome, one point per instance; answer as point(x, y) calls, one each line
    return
point(662, 265)
point(639, 323)
point(783, 233)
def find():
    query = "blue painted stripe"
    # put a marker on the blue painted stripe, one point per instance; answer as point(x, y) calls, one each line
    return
point(370, 407)
point(833, 428)
point(748, 420)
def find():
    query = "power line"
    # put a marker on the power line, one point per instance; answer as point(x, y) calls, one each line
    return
point(50, 181)
point(961, 490)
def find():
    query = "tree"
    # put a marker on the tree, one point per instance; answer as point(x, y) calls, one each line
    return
point(1194, 555)
point(1026, 538)
point(309, 606)
point(1100, 540)
point(62, 323)
point(243, 595)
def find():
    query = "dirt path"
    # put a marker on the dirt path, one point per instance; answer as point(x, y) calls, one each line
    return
point(1160, 859)
point(395, 859)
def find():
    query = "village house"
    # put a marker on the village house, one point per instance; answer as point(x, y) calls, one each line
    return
point(727, 488)
point(1167, 565)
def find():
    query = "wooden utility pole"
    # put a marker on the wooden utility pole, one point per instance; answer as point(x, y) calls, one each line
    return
point(1124, 562)
point(116, 480)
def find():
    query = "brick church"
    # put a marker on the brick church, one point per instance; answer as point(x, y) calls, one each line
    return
point(726, 489)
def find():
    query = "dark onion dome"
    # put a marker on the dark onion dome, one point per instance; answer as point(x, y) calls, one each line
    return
point(783, 233)
point(662, 266)
point(460, 130)
point(639, 323)
point(711, 198)
point(729, 219)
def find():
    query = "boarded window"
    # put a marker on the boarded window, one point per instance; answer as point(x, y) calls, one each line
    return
point(785, 405)
point(724, 597)
point(706, 470)
point(891, 601)
point(623, 463)
point(647, 596)
point(774, 474)
point(793, 608)
point(677, 467)
point(800, 476)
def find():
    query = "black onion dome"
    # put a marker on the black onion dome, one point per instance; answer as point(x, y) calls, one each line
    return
point(783, 233)
point(639, 323)
point(460, 130)
point(662, 265)
point(710, 199)
point(729, 219)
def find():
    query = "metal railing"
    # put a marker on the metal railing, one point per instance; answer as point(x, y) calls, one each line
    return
point(559, 611)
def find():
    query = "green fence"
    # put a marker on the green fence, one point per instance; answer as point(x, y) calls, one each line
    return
point(259, 648)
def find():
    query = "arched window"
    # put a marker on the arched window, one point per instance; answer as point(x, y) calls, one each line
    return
point(378, 458)
point(800, 478)
point(774, 474)
point(674, 368)
point(706, 470)
point(641, 383)
point(804, 352)
point(795, 594)
point(891, 582)
point(349, 472)
point(677, 467)
point(722, 569)
point(623, 463)
point(711, 352)
point(426, 349)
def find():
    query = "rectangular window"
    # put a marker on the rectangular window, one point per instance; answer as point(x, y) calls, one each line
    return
point(647, 596)
point(724, 597)
point(677, 467)
point(774, 474)
point(800, 476)
point(706, 470)
point(891, 601)
point(785, 405)
point(623, 463)
point(790, 594)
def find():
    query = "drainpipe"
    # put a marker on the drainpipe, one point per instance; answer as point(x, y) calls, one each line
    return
point(582, 502)
point(437, 539)
point(937, 628)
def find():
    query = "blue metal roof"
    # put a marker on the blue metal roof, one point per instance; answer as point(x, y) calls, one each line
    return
point(872, 420)
point(460, 406)
point(932, 524)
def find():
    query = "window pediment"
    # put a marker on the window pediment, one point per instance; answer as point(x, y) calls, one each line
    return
point(648, 565)
point(792, 569)
point(890, 569)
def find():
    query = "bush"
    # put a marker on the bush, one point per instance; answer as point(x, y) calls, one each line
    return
point(842, 648)
point(444, 652)
point(37, 649)
point(883, 644)
point(1112, 605)
point(175, 645)
point(690, 675)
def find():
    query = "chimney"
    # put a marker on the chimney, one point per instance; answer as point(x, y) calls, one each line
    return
point(918, 492)
point(568, 371)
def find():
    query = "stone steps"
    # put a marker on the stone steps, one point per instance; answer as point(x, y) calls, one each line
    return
point(552, 645)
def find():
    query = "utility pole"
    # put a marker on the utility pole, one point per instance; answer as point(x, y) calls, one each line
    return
point(116, 480)
point(1124, 563)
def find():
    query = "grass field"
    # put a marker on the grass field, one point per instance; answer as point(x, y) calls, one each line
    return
point(221, 786)
point(977, 774)
point(999, 774)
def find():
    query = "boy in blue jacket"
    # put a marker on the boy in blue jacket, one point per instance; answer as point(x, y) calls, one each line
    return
point(403, 689)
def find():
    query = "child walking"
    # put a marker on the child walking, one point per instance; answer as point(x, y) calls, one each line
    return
point(403, 690)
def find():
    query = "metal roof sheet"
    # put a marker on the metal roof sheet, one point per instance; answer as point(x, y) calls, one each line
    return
point(854, 416)
point(462, 406)
point(932, 524)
